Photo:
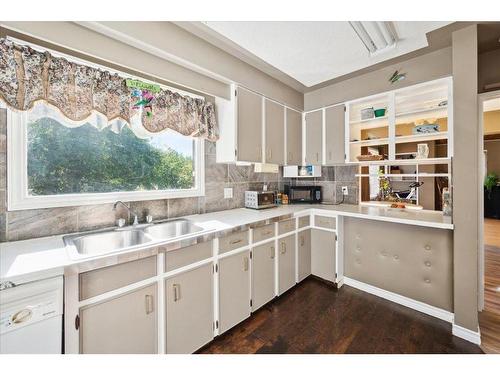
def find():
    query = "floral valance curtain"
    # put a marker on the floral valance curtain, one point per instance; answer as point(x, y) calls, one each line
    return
point(78, 91)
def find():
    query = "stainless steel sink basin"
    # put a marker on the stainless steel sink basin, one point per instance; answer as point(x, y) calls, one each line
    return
point(172, 229)
point(105, 242)
point(85, 245)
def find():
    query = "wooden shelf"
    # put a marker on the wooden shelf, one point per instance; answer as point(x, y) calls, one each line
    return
point(371, 142)
point(410, 116)
point(422, 137)
point(371, 123)
point(412, 175)
point(428, 161)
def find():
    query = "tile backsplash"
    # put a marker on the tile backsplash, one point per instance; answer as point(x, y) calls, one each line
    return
point(18, 225)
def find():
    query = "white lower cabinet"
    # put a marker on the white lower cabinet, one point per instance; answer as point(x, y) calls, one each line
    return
point(125, 324)
point(263, 274)
point(189, 310)
point(286, 262)
point(323, 245)
point(234, 290)
point(129, 322)
point(304, 253)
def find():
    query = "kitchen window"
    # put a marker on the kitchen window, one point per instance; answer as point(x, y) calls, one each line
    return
point(55, 162)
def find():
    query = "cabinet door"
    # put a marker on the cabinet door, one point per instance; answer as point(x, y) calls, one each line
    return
point(335, 135)
point(189, 310)
point(286, 248)
point(304, 253)
point(323, 244)
point(234, 290)
point(275, 133)
point(293, 137)
point(314, 129)
point(249, 147)
point(263, 272)
point(126, 324)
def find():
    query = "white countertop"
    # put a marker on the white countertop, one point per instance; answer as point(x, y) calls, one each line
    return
point(28, 260)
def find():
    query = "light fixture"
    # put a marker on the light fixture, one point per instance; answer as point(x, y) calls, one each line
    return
point(375, 35)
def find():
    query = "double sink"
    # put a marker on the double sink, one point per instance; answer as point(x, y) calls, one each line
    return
point(96, 243)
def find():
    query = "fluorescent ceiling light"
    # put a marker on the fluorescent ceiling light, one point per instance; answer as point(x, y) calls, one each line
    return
point(375, 35)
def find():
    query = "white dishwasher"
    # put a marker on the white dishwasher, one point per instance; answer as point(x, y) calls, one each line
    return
point(31, 317)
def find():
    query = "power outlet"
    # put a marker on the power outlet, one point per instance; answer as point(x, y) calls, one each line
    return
point(344, 190)
point(228, 193)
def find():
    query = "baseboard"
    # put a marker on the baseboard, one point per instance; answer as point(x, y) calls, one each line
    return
point(340, 282)
point(402, 300)
point(467, 334)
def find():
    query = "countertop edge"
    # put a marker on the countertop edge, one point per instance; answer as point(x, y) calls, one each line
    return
point(71, 265)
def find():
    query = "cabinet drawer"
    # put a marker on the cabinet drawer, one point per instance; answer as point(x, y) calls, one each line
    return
point(187, 255)
point(93, 283)
point(233, 241)
point(286, 226)
point(325, 222)
point(304, 221)
point(263, 233)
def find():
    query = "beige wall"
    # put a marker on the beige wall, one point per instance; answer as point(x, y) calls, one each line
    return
point(423, 68)
point(493, 155)
point(170, 38)
point(76, 38)
point(164, 50)
point(489, 71)
point(465, 177)
point(491, 122)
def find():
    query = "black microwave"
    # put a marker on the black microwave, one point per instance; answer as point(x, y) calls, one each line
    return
point(304, 194)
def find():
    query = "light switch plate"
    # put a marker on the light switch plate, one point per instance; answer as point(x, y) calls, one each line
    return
point(344, 190)
point(228, 193)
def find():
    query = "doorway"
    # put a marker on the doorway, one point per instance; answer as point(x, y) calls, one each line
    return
point(489, 316)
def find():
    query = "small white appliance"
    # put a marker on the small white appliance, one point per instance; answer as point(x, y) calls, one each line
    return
point(260, 199)
point(302, 171)
point(31, 317)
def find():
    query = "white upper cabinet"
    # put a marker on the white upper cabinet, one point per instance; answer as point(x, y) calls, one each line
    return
point(293, 137)
point(334, 138)
point(252, 130)
point(274, 133)
point(249, 126)
point(314, 138)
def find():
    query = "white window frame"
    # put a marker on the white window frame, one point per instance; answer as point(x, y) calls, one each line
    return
point(17, 176)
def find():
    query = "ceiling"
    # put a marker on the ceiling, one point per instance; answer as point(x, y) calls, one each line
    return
point(311, 53)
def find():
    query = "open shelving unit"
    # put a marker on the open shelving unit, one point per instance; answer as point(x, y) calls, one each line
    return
point(399, 131)
point(396, 135)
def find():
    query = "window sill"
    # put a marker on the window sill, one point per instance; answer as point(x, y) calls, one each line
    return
point(70, 200)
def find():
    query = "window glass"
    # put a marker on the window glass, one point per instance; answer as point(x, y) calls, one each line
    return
point(64, 158)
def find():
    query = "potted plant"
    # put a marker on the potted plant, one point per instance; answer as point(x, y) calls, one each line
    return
point(491, 196)
point(490, 182)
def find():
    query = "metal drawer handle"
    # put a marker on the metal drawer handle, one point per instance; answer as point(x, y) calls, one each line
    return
point(245, 264)
point(22, 316)
point(234, 242)
point(329, 155)
point(301, 240)
point(177, 292)
point(149, 304)
point(272, 252)
point(283, 248)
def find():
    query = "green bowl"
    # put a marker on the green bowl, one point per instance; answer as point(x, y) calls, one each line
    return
point(379, 112)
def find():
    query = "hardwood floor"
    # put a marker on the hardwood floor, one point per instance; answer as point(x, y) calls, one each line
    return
point(315, 317)
point(492, 232)
point(489, 319)
point(492, 279)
